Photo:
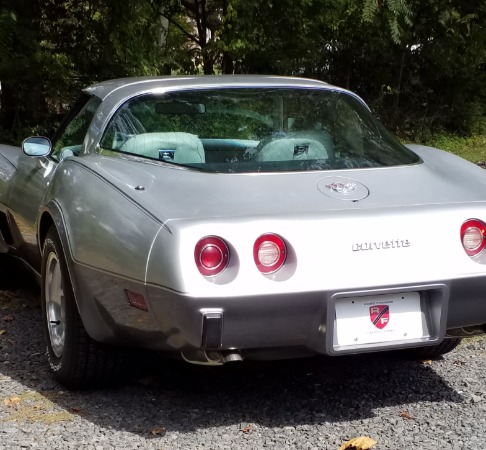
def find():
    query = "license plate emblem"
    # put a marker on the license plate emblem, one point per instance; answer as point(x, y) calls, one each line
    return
point(380, 316)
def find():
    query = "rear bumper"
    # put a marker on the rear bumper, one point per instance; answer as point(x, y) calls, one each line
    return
point(305, 321)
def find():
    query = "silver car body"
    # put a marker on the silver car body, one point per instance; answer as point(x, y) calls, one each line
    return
point(128, 224)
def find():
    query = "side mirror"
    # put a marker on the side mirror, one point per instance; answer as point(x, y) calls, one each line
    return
point(37, 146)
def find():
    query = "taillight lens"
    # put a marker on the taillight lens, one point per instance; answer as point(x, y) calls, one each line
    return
point(269, 253)
point(473, 236)
point(211, 255)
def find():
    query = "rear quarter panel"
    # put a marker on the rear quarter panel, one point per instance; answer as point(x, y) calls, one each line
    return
point(105, 228)
point(107, 238)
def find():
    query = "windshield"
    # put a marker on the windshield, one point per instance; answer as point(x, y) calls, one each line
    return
point(254, 130)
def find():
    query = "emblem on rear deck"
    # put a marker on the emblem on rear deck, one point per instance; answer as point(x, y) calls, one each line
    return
point(342, 188)
point(380, 315)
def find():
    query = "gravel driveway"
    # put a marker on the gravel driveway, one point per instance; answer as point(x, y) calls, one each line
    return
point(312, 404)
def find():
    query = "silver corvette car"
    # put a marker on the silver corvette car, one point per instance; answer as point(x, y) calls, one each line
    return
point(222, 218)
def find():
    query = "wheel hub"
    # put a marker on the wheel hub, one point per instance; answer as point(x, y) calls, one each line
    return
point(55, 304)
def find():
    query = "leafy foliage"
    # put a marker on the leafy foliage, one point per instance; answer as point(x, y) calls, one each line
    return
point(398, 14)
point(419, 64)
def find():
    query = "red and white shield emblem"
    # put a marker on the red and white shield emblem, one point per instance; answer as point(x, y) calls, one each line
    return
point(380, 315)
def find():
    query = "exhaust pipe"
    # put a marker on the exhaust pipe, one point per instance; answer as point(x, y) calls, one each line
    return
point(211, 358)
point(474, 330)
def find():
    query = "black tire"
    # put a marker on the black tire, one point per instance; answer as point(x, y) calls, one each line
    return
point(76, 360)
point(434, 351)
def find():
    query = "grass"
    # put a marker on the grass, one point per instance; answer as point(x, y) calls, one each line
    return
point(472, 148)
point(31, 406)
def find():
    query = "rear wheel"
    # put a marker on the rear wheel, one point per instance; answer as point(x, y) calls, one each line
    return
point(76, 360)
point(434, 351)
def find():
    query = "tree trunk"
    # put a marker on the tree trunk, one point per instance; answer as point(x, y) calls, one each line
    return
point(208, 62)
point(399, 84)
point(227, 66)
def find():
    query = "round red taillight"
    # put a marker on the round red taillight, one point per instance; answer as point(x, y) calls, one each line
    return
point(473, 236)
point(211, 255)
point(269, 253)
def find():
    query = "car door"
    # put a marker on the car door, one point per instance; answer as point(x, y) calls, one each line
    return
point(33, 176)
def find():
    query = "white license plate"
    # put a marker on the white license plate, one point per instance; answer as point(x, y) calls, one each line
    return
point(378, 318)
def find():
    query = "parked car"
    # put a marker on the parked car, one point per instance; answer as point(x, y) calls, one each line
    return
point(228, 217)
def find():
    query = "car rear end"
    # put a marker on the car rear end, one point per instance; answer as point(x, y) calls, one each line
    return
point(345, 281)
point(294, 223)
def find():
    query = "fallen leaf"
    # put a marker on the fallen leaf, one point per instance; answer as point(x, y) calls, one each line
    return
point(459, 363)
point(475, 398)
point(8, 318)
point(158, 431)
point(76, 409)
point(426, 362)
point(3, 332)
point(247, 429)
point(12, 401)
point(407, 415)
point(359, 443)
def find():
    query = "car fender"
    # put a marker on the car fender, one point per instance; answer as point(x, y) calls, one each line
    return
point(103, 261)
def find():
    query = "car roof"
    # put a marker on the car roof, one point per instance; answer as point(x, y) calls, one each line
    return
point(106, 88)
point(123, 88)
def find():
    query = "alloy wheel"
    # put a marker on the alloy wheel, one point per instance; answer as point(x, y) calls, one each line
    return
point(55, 304)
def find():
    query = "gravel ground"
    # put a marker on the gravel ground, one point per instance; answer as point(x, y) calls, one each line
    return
point(310, 404)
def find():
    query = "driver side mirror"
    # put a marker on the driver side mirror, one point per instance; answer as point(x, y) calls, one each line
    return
point(37, 146)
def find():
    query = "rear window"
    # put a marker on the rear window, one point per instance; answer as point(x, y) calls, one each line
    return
point(254, 130)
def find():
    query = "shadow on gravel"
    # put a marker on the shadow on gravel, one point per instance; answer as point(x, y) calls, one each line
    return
point(174, 396)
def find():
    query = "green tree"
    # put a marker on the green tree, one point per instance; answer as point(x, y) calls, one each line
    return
point(51, 48)
point(21, 94)
point(202, 24)
point(419, 63)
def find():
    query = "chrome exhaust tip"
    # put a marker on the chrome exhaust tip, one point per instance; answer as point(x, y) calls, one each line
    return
point(475, 330)
point(211, 358)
